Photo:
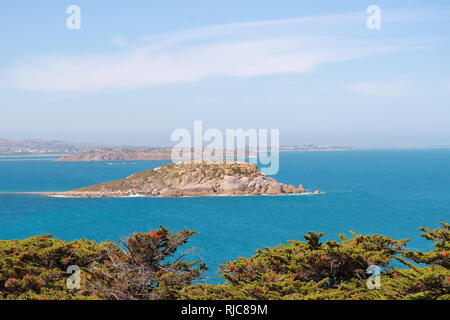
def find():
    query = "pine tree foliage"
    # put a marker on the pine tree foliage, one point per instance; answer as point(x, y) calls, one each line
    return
point(152, 266)
point(146, 268)
point(36, 268)
point(336, 270)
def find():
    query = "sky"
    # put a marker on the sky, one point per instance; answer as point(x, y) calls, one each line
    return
point(136, 71)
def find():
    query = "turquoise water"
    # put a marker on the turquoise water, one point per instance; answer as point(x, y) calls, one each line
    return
point(387, 192)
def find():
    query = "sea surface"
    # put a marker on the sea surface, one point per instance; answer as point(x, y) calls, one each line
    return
point(392, 192)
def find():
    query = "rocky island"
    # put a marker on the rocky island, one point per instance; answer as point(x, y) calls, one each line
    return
point(189, 179)
point(119, 155)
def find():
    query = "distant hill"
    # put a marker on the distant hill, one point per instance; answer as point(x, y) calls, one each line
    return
point(120, 155)
point(124, 154)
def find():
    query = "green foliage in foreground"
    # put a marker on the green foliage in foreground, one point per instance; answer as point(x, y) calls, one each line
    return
point(35, 268)
point(150, 266)
point(336, 270)
point(142, 267)
point(145, 269)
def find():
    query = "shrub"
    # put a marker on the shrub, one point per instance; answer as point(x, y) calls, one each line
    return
point(146, 269)
point(150, 266)
point(334, 270)
point(35, 268)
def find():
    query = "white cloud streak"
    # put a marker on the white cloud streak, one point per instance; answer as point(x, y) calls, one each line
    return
point(381, 89)
point(233, 50)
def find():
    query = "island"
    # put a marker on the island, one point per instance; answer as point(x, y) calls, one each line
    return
point(193, 178)
point(119, 155)
point(165, 153)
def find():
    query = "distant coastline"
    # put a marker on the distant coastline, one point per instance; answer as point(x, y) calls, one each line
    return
point(22, 150)
point(97, 155)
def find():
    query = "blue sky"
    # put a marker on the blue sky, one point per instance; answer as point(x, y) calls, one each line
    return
point(137, 71)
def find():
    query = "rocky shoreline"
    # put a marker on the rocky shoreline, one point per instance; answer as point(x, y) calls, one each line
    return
point(189, 179)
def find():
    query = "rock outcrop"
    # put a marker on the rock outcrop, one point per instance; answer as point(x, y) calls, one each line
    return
point(190, 179)
point(158, 154)
point(119, 155)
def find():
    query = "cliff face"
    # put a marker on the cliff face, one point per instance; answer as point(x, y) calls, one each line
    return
point(189, 179)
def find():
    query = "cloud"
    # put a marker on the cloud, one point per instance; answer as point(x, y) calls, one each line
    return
point(234, 50)
point(381, 89)
point(120, 41)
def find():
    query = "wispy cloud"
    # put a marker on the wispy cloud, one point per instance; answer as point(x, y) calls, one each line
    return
point(232, 50)
point(381, 89)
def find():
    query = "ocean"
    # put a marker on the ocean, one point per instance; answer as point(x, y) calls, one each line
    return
point(391, 192)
